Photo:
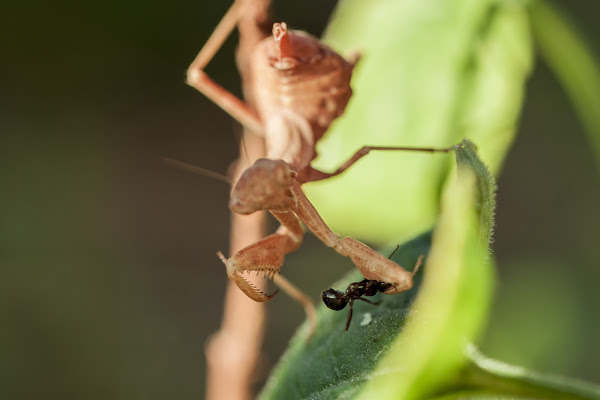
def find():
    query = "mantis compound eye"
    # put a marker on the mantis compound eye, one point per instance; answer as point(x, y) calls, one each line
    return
point(334, 299)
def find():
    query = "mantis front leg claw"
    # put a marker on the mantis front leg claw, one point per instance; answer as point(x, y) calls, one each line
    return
point(245, 285)
point(264, 256)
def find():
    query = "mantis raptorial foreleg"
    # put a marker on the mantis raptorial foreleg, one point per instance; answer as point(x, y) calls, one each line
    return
point(371, 264)
point(265, 256)
point(282, 195)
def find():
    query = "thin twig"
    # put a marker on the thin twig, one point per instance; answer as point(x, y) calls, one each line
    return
point(233, 353)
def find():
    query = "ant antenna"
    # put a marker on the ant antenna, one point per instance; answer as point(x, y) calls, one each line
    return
point(394, 252)
point(195, 169)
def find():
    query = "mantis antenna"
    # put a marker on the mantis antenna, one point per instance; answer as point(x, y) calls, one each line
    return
point(195, 169)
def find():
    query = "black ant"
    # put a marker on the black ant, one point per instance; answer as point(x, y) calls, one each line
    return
point(336, 300)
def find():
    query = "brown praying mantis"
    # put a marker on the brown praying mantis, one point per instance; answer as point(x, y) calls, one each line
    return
point(299, 87)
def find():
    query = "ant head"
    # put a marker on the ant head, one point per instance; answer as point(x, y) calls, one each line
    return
point(334, 299)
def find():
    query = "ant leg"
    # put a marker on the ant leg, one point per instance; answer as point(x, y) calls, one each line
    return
point(349, 314)
point(311, 175)
point(394, 252)
point(368, 301)
point(197, 78)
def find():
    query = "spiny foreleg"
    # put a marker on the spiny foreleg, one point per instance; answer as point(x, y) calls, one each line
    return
point(371, 264)
point(265, 256)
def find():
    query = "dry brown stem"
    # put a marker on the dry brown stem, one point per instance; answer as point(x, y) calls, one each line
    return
point(233, 352)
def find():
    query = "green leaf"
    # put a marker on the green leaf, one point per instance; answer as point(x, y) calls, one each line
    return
point(572, 61)
point(485, 201)
point(481, 395)
point(452, 303)
point(336, 363)
point(502, 377)
point(412, 343)
point(431, 73)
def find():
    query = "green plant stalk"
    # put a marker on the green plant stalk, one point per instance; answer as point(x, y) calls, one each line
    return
point(486, 375)
point(428, 354)
point(572, 61)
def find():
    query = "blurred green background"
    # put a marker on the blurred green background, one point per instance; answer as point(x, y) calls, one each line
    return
point(109, 280)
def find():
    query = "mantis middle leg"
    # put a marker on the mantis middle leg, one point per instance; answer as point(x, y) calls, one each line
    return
point(311, 174)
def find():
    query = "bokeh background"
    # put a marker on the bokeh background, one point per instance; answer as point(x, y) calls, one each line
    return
point(109, 283)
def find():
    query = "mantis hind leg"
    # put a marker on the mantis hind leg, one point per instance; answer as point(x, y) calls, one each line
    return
point(197, 78)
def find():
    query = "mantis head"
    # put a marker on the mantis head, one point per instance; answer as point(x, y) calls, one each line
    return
point(264, 186)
